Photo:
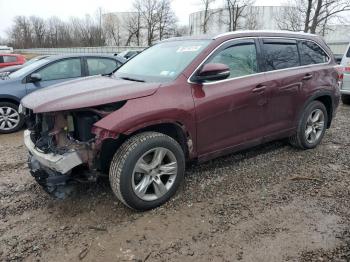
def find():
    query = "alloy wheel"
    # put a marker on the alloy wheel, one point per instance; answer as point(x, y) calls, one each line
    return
point(154, 174)
point(314, 126)
point(9, 118)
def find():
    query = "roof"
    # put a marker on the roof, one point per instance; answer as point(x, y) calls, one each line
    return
point(55, 57)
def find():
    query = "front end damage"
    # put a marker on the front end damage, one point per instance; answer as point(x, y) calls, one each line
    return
point(64, 147)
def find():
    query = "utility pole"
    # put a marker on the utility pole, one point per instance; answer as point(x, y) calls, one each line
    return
point(100, 10)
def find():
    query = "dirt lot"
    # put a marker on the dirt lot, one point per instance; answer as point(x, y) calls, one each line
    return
point(252, 206)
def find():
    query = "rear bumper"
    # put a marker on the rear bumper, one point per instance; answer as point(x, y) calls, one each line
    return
point(345, 87)
point(59, 163)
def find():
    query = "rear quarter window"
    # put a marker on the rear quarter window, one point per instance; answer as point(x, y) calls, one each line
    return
point(281, 55)
point(311, 53)
point(348, 53)
point(10, 59)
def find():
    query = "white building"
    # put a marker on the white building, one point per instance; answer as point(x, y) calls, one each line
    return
point(263, 18)
point(256, 17)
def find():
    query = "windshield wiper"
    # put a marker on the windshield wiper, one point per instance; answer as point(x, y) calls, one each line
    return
point(133, 79)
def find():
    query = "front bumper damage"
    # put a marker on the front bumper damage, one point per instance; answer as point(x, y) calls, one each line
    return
point(52, 171)
point(59, 163)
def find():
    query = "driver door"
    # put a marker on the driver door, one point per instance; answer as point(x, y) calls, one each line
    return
point(232, 112)
point(54, 73)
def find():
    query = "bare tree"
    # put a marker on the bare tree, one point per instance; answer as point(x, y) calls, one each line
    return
point(290, 19)
point(149, 15)
point(251, 21)
point(112, 28)
point(58, 33)
point(208, 12)
point(21, 32)
point(132, 24)
point(39, 30)
point(313, 14)
point(166, 19)
point(236, 11)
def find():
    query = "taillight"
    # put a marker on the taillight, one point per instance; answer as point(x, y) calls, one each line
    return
point(340, 70)
point(346, 70)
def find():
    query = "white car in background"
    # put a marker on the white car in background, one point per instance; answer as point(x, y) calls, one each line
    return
point(345, 87)
point(5, 49)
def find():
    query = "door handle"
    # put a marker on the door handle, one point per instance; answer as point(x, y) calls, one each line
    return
point(259, 88)
point(307, 77)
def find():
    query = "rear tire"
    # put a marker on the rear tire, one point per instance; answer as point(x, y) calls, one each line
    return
point(312, 126)
point(345, 99)
point(147, 170)
point(10, 119)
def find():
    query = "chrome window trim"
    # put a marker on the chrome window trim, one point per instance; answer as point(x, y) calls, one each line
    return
point(260, 73)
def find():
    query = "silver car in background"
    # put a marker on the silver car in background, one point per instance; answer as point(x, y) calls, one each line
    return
point(345, 87)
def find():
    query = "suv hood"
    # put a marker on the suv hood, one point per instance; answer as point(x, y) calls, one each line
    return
point(86, 92)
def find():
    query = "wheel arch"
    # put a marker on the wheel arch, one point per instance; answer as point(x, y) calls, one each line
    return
point(10, 99)
point(174, 129)
point(326, 98)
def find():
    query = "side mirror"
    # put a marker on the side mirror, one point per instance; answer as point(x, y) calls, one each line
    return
point(213, 72)
point(35, 77)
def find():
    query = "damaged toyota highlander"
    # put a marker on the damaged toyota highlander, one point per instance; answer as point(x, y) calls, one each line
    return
point(181, 100)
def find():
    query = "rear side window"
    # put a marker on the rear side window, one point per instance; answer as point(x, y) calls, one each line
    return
point(10, 59)
point(240, 58)
point(102, 66)
point(68, 68)
point(281, 55)
point(311, 53)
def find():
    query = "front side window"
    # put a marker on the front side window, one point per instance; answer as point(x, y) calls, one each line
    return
point(101, 66)
point(9, 59)
point(281, 55)
point(240, 58)
point(162, 62)
point(311, 53)
point(68, 68)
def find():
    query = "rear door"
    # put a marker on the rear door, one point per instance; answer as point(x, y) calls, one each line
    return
point(286, 79)
point(56, 72)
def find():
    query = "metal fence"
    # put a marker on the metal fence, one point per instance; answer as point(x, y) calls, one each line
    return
point(71, 50)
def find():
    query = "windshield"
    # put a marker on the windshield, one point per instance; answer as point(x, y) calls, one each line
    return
point(162, 62)
point(28, 68)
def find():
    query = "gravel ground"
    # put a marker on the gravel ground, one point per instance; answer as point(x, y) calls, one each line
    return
point(270, 203)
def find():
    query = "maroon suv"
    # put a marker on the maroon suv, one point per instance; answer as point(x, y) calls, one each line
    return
point(180, 100)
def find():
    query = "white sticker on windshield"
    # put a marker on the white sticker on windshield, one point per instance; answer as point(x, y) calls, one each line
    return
point(164, 73)
point(182, 49)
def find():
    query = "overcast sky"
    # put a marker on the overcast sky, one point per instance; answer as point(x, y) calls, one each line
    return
point(67, 8)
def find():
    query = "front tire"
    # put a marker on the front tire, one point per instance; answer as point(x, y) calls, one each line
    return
point(311, 126)
point(10, 119)
point(147, 170)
